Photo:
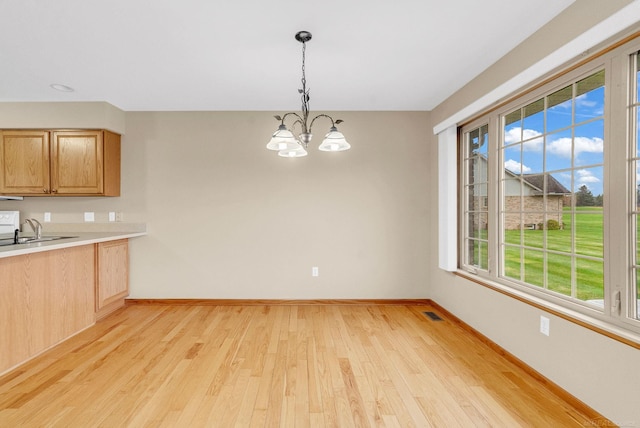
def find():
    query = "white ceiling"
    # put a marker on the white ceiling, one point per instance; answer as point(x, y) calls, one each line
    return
point(242, 55)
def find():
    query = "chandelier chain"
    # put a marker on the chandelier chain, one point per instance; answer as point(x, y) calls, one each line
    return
point(304, 92)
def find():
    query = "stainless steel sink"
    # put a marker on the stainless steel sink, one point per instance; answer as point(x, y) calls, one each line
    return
point(32, 240)
point(42, 239)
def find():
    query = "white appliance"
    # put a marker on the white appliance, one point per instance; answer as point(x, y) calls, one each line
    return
point(9, 222)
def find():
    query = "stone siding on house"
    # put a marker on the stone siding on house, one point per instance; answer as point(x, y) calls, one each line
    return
point(527, 189)
point(533, 211)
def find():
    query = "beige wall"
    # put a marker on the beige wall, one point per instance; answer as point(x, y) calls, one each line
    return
point(227, 218)
point(86, 115)
point(599, 371)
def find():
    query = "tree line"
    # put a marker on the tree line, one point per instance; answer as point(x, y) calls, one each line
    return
point(584, 198)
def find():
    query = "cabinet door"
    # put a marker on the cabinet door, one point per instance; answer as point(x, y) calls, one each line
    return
point(24, 162)
point(113, 274)
point(77, 163)
point(45, 298)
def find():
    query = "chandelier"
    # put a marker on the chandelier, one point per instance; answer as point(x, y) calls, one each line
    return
point(283, 140)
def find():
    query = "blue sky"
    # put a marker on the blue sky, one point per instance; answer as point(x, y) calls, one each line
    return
point(581, 154)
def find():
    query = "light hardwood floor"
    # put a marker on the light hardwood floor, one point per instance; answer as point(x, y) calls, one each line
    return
point(281, 365)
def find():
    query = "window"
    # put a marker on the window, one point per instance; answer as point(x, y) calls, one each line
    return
point(550, 190)
point(552, 224)
point(475, 194)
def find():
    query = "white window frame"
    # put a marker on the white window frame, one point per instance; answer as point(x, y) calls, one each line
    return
point(618, 276)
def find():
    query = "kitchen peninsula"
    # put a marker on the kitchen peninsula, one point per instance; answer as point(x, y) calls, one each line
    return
point(53, 290)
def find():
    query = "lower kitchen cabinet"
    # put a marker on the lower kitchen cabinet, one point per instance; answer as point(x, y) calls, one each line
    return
point(112, 278)
point(46, 297)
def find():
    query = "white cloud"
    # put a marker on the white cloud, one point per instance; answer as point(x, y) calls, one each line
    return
point(516, 167)
point(562, 146)
point(514, 135)
point(585, 104)
point(582, 101)
point(585, 176)
point(565, 176)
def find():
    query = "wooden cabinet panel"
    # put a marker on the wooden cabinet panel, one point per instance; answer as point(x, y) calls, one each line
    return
point(79, 163)
point(112, 284)
point(76, 162)
point(24, 162)
point(46, 297)
point(112, 159)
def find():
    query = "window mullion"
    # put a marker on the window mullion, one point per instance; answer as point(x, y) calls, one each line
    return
point(493, 197)
point(616, 168)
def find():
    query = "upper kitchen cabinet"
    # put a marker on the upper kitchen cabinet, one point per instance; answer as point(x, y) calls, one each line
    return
point(24, 162)
point(65, 163)
point(85, 163)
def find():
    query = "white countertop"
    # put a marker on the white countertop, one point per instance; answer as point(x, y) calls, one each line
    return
point(79, 238)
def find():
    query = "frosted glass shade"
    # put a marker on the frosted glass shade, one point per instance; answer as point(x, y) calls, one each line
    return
point(334, 141)
point(297, 152)
point(282, 139)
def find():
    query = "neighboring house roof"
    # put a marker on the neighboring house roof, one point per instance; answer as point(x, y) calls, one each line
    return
point(554, 187)
point(534, 181)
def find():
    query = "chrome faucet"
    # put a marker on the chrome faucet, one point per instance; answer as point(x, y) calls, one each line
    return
point(37, 228)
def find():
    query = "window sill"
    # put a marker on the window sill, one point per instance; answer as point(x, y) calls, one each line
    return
point(607, 329)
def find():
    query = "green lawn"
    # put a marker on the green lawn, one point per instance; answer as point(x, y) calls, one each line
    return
point(586, 228)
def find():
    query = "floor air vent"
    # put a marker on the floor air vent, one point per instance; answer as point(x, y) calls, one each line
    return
point(433, 316)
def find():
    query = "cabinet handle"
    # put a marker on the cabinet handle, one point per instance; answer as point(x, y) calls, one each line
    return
point(54, 190)
point(44, 190)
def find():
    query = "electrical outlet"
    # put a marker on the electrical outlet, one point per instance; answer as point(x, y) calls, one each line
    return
point(314, 271)
point(119, 216)
point(89, 216)
point(47, 217)
point(544, 325)
point(112, 216)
